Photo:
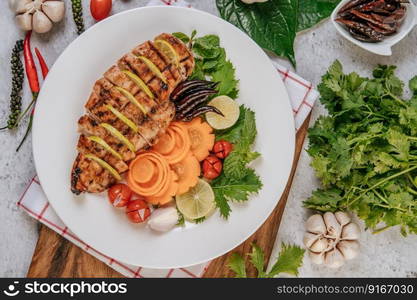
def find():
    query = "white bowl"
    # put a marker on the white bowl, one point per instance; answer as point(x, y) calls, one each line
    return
point(384, 47)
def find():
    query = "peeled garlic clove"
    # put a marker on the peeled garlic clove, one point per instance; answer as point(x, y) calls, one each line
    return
point(24, 21)
point(349, 249)
point(316, 224)
point(163, 219)
point(317, 258)
point(22, 6)
point(334, 259)
point(332, 225)
point(55, 10)
point(342, 217)
point(41, 22)
point(319, 245)
point(351, 232)
point(309, 239)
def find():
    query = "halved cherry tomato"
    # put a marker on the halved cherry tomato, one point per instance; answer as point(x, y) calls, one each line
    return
point(212, 167)
point(119, 195)
point(138, 210)
point(100, 9)
point(222, 149)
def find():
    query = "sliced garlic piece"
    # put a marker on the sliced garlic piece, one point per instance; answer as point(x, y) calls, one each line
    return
point(351, 232)
point(55, 10)
point(315, 224)
point(334, 259)
point(333, 227)
point(349, 249)
point(342, 217)
point(41, 22)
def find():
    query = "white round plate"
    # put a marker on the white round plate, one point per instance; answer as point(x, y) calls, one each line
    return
point(89, 216)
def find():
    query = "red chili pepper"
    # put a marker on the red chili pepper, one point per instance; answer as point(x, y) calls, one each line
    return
point(30, 66)
point(42, 63)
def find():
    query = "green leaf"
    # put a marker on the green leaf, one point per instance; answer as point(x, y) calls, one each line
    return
point(289, 260)
point(182, 36)
point(257, 258)
point(181, 219)
point(226, 76)
point(200, 220)
point(237, 264)
point(234, 189)
point(274, 24)
point(413, 85)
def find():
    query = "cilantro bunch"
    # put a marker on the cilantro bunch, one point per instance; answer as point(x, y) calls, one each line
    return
point(237, 181)
point(365, 150)
point(288, 261)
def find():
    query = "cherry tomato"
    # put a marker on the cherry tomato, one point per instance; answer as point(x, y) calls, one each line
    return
point(100, 9)
point(212, 167)
point(222, 149)
point(119, 195)
point(138, 210)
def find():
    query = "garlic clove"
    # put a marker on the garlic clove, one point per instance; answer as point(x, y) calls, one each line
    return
point(316, 258)
point(55, 10)
point(41, 22)
point(332, 225)
point(163, 219)
point(22, 6)
point(319, 245)
point(334, 259)
point(342, 217)
point(351, 232)
point(12, 4)
point(24, 21)
point(309, 239)
point(315, 224)
point(349, 249)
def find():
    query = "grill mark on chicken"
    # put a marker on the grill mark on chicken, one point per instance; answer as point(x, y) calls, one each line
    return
point(88, 175)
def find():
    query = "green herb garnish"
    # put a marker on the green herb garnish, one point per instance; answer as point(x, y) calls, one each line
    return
point(289, 261)
point(365, 151)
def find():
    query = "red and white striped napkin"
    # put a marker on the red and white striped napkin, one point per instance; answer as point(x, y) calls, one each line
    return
point(35, 203)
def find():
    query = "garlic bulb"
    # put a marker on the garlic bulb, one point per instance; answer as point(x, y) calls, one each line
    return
point(252, 1)
point(37, 15)
point(163, 219)
point(331, 239)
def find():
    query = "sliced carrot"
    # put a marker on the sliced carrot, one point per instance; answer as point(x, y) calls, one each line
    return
point(143, 170)
point(169, 193)
point(188, 170)
point(201, 138)
point(166, 143)
point(182, 143)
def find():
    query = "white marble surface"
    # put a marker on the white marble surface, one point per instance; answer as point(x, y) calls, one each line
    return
point(386, 254)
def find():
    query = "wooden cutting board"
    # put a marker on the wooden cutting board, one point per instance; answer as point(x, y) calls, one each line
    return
point(55, 256)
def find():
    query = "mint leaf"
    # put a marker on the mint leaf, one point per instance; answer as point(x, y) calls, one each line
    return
point(182, 36)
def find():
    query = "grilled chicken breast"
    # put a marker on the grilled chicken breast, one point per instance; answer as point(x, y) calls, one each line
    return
point(127, 111)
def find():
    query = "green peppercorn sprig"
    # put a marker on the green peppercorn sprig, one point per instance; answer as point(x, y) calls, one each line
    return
point(77, 13)
point(17, 83)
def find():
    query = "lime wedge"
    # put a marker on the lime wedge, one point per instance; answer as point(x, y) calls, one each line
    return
point(167, 50)
point(230, 110)
point(104, 165)
point(106, 146)
point(140, 83)
point(198, 202)
point(131, 98)
point(117, 134)
point(153, 68)
point(123, 118)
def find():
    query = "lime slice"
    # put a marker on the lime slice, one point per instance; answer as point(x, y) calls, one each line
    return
point(131, 98)
point(106, 146)
point(153, 68)
point(117, 134)
point(198, 202)
point(104, 165)
point(140, 83)
point(168, 51)
point(230, 110)
point(123, 118)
